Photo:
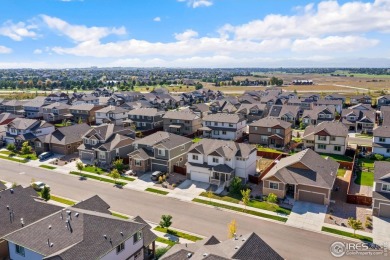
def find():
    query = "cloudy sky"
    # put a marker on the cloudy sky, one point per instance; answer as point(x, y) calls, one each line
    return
point(194, 33)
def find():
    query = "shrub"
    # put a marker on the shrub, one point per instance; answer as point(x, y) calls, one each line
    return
point(236, 185)
point(11, 147)
point(45, 194)
point(378, 157)
point(166, 221)
point(272, 198)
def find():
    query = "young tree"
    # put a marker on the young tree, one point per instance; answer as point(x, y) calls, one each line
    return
point(245, 197)
point(26, 148)
point(355, 225)
point(236, 185)
point(118, 164)
point(115, 175)
point(45, 194)
point(272, 198)
point(80, 121)
point(232, 228)
point(80, 166)
point(166, 221)
point(210, 194)
point(11, 147)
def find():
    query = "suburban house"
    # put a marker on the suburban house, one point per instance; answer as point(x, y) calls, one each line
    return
point(303, 104)
point(309, 96)
point(252, 112)
point(160, 151)
point(34, 107)
point(381, 192)
point(335, 96)
point(14, 106)
point(270, 131)
point(85, 99)
point(64, 140)
point(60, 97)
point(218, 161)
point(224, 126)
point(337, 104)
point(226, 105)
point(241, 247)
point(364, 99)
point(200, 109)
point(146, 118)
point(6, 118)
point(24, 129)
point(286, 113)
point(111, 114)
point(326, 137)
point(55, 112)
point(85, 113)
point(360, 121)
point(318, 115)
point(304, 176)
point(181, 122)
point(105, 143)
point(383, 101)
point(381, 140)
point(384, 116)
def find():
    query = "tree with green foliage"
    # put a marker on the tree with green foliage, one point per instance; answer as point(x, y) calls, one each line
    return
point(355, 225)
point(11, 147)
point(80, 166)
point(272, 198)
point(114, 174)
point(378, 157)
point(245, 197)
point(118, 164)
point(166, 221)
point(80, 121)
point(236, 185)
point(26, 148)
point(45, 193)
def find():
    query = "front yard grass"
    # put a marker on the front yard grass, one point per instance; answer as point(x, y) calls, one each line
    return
point(341, 172)
point(29, 156)
point(366, 163)
point(127, 178)
point(161, 192)
point(93, 169)
point(365, 178)
point(337, 157)
point(251, 212)
point(98, 178)
point(13, 159)
point(252, 203)
point(346, 234)
point(178, 234)
point(62, 200)
point(196, 139)
point(166, 241)
point(47, 167)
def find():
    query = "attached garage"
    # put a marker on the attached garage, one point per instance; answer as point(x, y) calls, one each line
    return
point(384, 210)
point(86, 156)
point(313, 197)
point(200, 176)
point(159, 167)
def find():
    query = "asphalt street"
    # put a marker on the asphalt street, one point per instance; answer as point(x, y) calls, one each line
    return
point(290, 242)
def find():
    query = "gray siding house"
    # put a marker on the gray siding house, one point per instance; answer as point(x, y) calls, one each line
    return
point(146, 118)
point(181, 122)
point(381, 193)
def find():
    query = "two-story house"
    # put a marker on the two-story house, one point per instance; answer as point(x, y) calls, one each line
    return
point(336, 103)
point(381, 140)
point(23, 129)
point(34, 107)
point(224, 126)
point(383, 101)
point(364, 99)
point(327, 137)
point(218, 161)
point(271, 132)
point(60, 97)
point(381, 190)
point(85, 99)
point(318, 115)
point(111, 114)
point(160, 151)
point(14, 106)
point(6, 118)
point(85, 113)
point(286, 113)
point(55, 112)
point(146, 118)
point(106, 143)
point(181, 122)
point(252, 112)
point(336, 96)
point(360, 121)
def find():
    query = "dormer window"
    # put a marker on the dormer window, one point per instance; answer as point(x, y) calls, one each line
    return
point(161, 152)
point(382, 139)
point(215, 160)
point(386, 187)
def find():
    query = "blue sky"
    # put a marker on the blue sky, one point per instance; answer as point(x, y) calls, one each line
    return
point(194, 33)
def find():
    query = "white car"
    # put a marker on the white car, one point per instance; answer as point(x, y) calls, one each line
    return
point(38, 185)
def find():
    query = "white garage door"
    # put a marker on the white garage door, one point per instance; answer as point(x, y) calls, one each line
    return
point(199, 176)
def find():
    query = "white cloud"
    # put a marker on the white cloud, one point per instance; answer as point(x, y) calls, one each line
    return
point(18, 31)
point(186, 35)
point(157, 19)
point(5, 50)
point(198, 3)
point(333, 43)
point(37, 51)
point(80, 33)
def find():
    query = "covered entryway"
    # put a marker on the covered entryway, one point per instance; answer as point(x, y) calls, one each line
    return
point(313, 197)
point(200, 176)
point(384, 210)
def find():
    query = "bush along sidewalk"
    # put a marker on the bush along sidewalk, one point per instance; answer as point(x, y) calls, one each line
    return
point(95, 177)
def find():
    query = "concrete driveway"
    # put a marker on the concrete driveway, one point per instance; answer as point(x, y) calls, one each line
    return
point(189, 190)
point(381, 230)
point(307, 215)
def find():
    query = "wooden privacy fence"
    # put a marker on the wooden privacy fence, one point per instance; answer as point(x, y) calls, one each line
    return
point(180, 170)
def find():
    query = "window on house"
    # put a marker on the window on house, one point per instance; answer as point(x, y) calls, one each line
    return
point(216, 123)
point(137, 237)
point(223, 132)
point(382, 139)
point(120, 248)
point(215, 132)
point(137, 162)
point(215, 160)
point(333, 138)
point(19, 250)
point(388, 150)
point(337, 148)
point(274, 185)
point(137, 255)
point(231, 125)
point(269, 130)
point(321, 138)
point(255, 128)
point(277, 131)
point(161, 152)
point(194, 157)
point(321, 146)
point(264, 138)
point(385, 187)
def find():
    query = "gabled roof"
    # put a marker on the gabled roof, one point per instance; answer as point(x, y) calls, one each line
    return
point(271, 122)
point(168, 140)
point(57, 105)
point(68, 134)
point(333, 128)
point(84, 107)
point(94, 203)
point(7, 116)
point(224, 118)
point(181, 115)
point(279, 111)
point(313, 113)
point(36, 102)
point(382, 171)
point(146, 112)
point(22, 123)
point(113, 109)
point(382, 131)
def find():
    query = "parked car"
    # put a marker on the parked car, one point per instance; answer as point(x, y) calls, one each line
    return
point(38, 185)
point(45, 155)
point(156, 175)
point(130, 173)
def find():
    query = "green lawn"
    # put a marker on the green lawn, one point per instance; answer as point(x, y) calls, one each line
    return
point(93, 169)
point(166, 241)
point(196, 139)
point(62, 200)
point(336, 157)
point(119, 215)
point(346, 234)
point(178, 234)
point(365, 179)
point(47, 167)
point(341, 172)
point(161, 192)
point(297, 139)
point(251, 212)
point(270, 150)
point(13, 159)
point(366, 163)
point(98, 178)
point(253, 203)
point(363, 136)
point(30, 156)
point(127, 178)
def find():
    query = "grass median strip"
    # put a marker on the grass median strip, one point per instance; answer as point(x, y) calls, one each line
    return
point(47, 167)
point(62, 200)
point(251, 212)
point(166, 241)
point(119, 215)
point(346, 234)
point(13, 159)
point(161, 192)
point(127, 178)
point(98, 178)
point(178, 234)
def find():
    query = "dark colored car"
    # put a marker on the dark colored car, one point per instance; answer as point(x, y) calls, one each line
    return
point(156, 175)
point(45, 155)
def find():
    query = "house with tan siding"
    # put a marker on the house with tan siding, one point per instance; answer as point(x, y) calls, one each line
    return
point(270, 131)
point(381, 190)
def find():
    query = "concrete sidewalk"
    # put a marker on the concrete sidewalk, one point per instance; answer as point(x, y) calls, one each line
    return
point(347, 229)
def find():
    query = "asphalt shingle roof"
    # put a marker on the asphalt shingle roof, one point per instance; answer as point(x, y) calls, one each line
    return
point(68, 134)
point(166, 139)
point(333, 128)
point(382, 171)
point(224, 118)
point(271, 122)
point(181, 115)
